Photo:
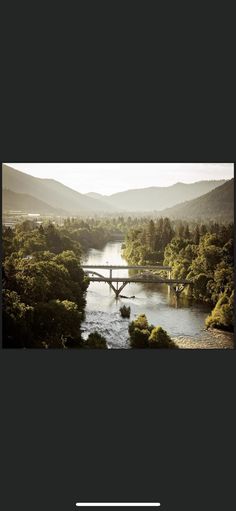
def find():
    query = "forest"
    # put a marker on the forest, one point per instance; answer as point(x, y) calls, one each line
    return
point(44, 286)
point(202, 254)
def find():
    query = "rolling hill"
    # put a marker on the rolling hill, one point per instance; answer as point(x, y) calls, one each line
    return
point(217, 204)
point(156, 198)
point(51, 192)
point(26, 203)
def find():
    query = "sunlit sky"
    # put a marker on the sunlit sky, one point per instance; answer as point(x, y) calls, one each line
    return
point(108, 178)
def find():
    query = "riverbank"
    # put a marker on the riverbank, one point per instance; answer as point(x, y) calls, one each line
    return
point(209, 339)
point(184, 322)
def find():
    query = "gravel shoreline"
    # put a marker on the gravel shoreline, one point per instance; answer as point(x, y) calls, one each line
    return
point(209, 339)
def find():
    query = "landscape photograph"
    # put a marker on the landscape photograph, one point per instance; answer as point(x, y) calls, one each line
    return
point(118, 255)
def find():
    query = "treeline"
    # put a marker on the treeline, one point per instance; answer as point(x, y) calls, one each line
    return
point(108, 226)
point(202, 254)
point(77, 235)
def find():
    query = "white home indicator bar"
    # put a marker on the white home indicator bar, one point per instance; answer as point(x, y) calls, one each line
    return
point(118, 504)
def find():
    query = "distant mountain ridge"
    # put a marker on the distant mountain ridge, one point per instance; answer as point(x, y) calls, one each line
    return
point(24, 192)
point(51, 192)
point(157, 198)
point(217, 204)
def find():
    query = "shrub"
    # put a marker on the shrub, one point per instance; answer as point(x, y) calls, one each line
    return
point(125, 312)
point(140, 322)
point(73, 343)
point(160, 339)
point(139, 332)
point(95, 340)
point(222, 316)
point(139, 338)
point(143, 335)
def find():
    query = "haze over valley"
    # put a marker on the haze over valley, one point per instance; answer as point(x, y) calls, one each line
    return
point(29, 194)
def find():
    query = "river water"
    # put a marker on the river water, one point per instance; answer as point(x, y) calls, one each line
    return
point(154, 300)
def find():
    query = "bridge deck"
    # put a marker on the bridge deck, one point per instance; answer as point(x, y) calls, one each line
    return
point(122, 267)
point(139, 280)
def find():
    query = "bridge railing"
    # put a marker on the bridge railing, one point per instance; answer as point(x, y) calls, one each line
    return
point(123, 267)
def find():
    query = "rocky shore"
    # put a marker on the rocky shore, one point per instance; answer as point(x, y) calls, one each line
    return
point(209, 339)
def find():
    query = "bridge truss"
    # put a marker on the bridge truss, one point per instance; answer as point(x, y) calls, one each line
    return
point(117, 284)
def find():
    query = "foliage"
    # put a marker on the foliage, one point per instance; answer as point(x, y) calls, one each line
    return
point(140, 322)
point(95, 340)
point(222, 316)
point(160, 339)
point(139, 338)
point(44, 288)
point(55, 321)
point(17, 320)
point(144, 335)
point(201, 253)
point(147, 244)
point(44, 285)
point(125, 311)
point(209, 266)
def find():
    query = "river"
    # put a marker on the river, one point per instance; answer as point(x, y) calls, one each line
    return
point(102, 309)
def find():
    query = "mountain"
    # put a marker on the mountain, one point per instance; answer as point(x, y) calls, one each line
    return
point(95, 195)
point(59, 197)
point(217, 204)
point(13, 201)
point(157, 198)
point(52, 192)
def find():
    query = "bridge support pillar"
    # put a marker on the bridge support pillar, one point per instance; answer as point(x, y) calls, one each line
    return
point(110, 273)
point(118, 289)
point(178, 289)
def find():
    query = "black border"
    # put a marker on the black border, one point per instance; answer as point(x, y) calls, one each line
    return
point(132, 84)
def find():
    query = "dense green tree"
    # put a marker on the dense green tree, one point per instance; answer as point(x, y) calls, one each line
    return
point(187, 232)
point(144, 335)
point(160, 339)
point(151, 235)
point(95, 340)
point(180, 229)
point(17, 321)
point(55, 321)
point(42, 284)
point(196, 235)
point(222, 316)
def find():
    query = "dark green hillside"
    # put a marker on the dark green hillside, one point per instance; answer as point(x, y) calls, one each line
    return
point(217, 205)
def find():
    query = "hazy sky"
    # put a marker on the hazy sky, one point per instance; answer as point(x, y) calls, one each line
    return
point(108, 178)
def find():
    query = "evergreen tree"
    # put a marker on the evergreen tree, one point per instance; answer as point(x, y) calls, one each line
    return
point(196, 235)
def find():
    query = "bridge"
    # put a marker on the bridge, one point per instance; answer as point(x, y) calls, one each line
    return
point(147, 277)
point(116, 236)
